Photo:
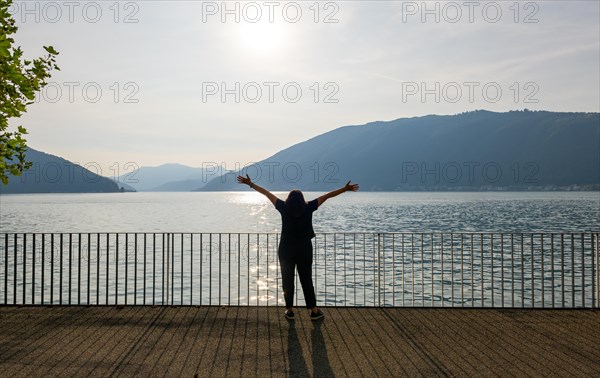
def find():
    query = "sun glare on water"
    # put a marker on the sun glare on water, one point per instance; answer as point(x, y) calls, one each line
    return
point(248, 198)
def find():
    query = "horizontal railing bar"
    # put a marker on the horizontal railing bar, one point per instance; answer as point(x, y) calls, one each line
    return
point(455, 232)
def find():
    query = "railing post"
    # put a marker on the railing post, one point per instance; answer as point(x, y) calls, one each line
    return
point(344, 254)
point(5, 269)
point(442, 265)
point(181, 274)
point(107, 265)
point(135, 267)
point(422, 270)
point(97, 269)
point(79, 269)
point(543, 268)
point(597, 253)
point(502, 269)
point(412, 261)
point(572, 270)
point(42, 291)
point(531, 236)
point(33, 270)
point(562, 268)
point(239, 261)
point(182, 266)
point(472, 261)
point(334, 270)
point(126, 266)
point(378, 269)
point(582, 238)
point(402, 272)
point(162, 262)
point(89, 257)
point(70, 265)
point(552, 263)
point(512, 270)
point(393, 271)
point(220, 253)
point(117, 268)
point(191, 269)
point(172, 269)
point(210, 270)
point(60, 275)
point(24, 268)
point(166, 269)
point(201, 267)
point(452, 269)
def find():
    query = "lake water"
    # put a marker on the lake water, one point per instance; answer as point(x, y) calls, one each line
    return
point(161, 248)
point(349, 212)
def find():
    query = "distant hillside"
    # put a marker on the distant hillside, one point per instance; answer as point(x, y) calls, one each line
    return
point(53, 174)
point(124, 187)
point(166, 177)
point(180, 186)
point(480, 150)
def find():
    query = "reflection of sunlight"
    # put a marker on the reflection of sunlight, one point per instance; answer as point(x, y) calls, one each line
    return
point(262, 285)
point(251, 198)
point(264, 299)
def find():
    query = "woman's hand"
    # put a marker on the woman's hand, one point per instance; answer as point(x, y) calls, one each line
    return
point(244, 180)
point(347, 188)
point(350, 187)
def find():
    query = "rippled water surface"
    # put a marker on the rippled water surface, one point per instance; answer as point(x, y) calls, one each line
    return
point(350, 212)
point(449, 249)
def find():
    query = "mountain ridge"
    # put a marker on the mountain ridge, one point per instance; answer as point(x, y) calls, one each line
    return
point(478, 150)
point(53, 174)
point(164, 177)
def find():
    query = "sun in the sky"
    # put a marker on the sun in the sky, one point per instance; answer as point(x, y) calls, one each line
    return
point(264, 38)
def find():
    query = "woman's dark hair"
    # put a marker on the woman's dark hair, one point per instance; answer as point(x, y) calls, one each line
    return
point(295, 203)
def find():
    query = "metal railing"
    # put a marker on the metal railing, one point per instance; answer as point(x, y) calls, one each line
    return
point(521, 270)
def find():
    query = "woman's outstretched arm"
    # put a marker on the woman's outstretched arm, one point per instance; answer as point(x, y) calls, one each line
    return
point(348, 187)
point(246, 180)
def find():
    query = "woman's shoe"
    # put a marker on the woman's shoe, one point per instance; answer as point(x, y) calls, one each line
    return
point(289, 314)
point(317, 315)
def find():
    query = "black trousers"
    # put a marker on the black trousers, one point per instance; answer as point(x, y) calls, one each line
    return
point(297, 256)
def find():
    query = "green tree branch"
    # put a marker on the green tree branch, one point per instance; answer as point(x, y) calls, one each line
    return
point(20, 80)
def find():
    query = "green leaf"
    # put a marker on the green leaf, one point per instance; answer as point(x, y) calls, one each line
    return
point(50, 50)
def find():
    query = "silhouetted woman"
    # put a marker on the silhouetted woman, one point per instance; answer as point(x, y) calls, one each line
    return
point(295, 245)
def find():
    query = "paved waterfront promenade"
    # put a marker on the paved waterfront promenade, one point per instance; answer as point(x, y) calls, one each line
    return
point(258, 341)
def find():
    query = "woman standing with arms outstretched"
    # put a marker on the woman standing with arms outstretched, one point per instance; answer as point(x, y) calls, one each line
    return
point(295, 245)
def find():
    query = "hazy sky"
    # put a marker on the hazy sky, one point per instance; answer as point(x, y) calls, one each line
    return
point(153, 82)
